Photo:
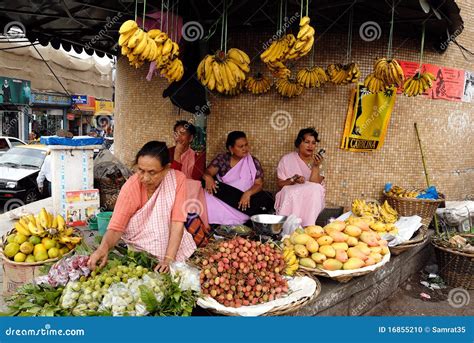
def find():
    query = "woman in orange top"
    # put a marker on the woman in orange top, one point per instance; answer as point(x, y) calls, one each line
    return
point(149, 214)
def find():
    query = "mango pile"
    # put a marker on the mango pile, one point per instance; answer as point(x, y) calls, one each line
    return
point(39, 238)
point(339, 245)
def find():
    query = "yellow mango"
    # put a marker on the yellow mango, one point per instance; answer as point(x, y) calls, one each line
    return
point(353, 263)
point(377, 250)
point(312, 246)
point(385, 250)
point(337, 225)
point(292, 237)
point(287, 242)
point(376, 257)
point(338, 237)
point(325, 240)
point(365, 250)
point(361, 223)
point(318, 257)
point(362, 244)
point(341, 255)
point(353, 230)
point(319, 266)
point(314, 231)
point(301, 251)
point(383, 243)
point(352, 241)
point(356, 253)
point(327, 250)
point(301, 239)
point(332, 264)
point(342, 246)
point(307, 262)
point(369, 261)
point(369, 238)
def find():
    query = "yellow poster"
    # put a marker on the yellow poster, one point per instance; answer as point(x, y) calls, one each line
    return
point(104, 107)
point(367, 119)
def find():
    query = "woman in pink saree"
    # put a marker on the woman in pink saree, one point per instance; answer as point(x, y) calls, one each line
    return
point(234, 183)
point(302, 186)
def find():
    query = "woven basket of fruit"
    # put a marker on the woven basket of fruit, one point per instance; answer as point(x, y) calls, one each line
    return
point(407, 204)
point(240, 277)
point(455, 257)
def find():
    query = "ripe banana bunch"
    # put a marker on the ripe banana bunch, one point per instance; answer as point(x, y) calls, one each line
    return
point(403, 193)
point(291, 260)
point(383, 228)
point(385, 213)
point(40, 225)
point(304, 40)
point(312, 77)
point(278, 69)
point(337, 74)
point(288, 87)
point(236, 90)
point(173, 71)
point(418, 84)
point(278, 50)
point(223, 72)
point(258, 84)
point(389, 71)
point(353, 72)
point(374, 84)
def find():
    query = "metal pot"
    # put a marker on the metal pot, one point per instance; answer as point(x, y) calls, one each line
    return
point(268, 224)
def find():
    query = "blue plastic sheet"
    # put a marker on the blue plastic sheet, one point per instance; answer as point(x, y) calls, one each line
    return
point(75, 141)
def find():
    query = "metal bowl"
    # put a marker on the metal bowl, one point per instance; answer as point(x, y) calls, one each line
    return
point(268, 224)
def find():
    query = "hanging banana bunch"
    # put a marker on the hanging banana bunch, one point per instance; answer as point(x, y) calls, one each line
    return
point(389, 71)
point(304, 40)
point(223, 72)
point(418, 84)
point(288, 87)
point(374, 84)
point(236, 90)
point(278, 69)
point(312, 77)
point(278, 50)
point(258, 84)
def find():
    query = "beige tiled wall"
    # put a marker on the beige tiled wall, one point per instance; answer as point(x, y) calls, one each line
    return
point(446, 128)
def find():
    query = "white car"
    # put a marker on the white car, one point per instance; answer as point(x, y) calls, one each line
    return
point(6, 143)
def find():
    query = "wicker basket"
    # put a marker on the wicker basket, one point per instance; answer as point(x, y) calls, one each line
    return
point(279, 310)
point(417, 240)
point(406, 207)
point(455, 267)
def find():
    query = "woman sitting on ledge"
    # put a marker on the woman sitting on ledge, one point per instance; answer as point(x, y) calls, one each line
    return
point(302, 191)
point(234, 183)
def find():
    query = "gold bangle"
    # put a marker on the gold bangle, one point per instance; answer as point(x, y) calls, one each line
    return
point(169, 257)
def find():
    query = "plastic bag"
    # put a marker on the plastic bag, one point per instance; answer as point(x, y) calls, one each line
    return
point(291, 224)
point(187, 276)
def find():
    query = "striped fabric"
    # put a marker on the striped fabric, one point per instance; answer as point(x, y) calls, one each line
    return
point(149, 228)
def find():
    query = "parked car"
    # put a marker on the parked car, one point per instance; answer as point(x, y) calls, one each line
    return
point(6, 143)
point(19, 168)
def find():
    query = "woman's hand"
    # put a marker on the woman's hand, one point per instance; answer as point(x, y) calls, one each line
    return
point(317, 161)
point(164, 266)
point(244, 202)
point(299, 179)
point(99, 256)
point(211, 186)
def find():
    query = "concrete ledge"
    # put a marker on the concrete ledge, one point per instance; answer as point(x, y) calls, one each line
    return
point(361, 294)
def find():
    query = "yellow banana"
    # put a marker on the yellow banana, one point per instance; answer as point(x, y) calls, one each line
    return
point(35, 230)
point(21, 229)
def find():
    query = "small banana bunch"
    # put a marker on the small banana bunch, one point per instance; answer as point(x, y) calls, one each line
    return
point(288, 87)
point(173, 71)
point(402, 192)
point(374, 84)
point(278, 50)
point(389, 71)
point(342, 74)
point(312, 77)
point(385, 213)
point(236, 90)
point(382, 228)
point(223, 72)
point(291, 260)
point(278, 69)
point(418, 84)
point(40, 225)
point(353, 72)
point(258, 84)
point(304, 40)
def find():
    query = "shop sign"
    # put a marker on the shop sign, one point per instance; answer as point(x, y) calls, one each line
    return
point(49, 99)
point(15, 91)
point(87, 105)
point(104, 108)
